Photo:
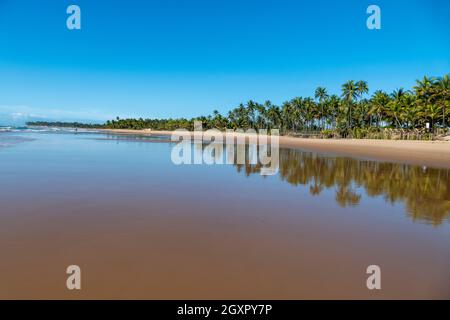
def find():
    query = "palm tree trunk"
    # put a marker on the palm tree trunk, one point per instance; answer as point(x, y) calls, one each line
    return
point(443, 118)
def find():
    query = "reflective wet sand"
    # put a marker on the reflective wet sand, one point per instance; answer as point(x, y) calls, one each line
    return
point(141, 227)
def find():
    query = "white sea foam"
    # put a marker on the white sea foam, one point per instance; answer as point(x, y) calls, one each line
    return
point(44, 130)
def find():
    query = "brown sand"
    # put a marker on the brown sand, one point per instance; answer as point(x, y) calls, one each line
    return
point(145, 231)
point(425, 153)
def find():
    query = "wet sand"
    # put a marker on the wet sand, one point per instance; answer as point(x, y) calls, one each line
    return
point(424, 153)
point(142, 228)
point(202, 254)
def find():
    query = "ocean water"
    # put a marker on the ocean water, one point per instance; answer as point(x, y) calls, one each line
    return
point(140, 226)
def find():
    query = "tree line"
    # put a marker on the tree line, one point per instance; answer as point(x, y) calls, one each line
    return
point(423, 110)
point(60, 124)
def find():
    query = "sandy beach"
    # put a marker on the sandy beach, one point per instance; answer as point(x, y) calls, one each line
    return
point(425, 153)
point(141, 227)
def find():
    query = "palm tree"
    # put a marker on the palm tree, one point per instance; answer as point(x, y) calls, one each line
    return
point(287, 116)
point(432, 112)
point(362, 88)
point(349, 93)
point(297, 106)
point(233, 119)
point(379, 102)
point(218, 121)
point(395, 107)
point(424, 90)
point(443, 92)
point(261, 118)
point(242, 116)
point(310, 108)
point(321, 94)
point(411, 110)
point(429, 102)
point(362, 114)
point(273, 114)
point(398, 94)
point(251, 109)
point(424, 87)
point(412, 113)
point(333, 104)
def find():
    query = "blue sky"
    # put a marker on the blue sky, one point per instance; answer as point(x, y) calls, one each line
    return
point(184, 58)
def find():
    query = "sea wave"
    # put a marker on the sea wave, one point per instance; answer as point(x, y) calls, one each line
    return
point(43, 129)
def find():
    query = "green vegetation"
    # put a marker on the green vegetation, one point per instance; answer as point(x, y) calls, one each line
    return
point(403, 114)
point(63, 124)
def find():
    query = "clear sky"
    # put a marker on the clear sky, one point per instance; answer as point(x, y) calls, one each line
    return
point(184, 58)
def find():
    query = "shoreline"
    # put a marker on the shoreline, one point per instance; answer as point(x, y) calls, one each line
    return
point(413, 152)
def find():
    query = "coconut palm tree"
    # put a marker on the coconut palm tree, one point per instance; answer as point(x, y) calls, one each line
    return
point(412, 114)
point(424, 87)
point(333, 103)
point(411, 110)
point(432, 112)
point(395, 107)
point(261, 117)
point(287, 116)
point(349, 94)
point(379, 102)
point(424, 90)
point(362, 88)
point(443, 93)
point(251, 113)
point(401, 109)
point(310, 111)
point(298, 110)
point(274, 116)
point(321, 94)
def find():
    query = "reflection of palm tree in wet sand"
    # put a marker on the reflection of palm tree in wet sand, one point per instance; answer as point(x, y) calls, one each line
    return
point(424, 191)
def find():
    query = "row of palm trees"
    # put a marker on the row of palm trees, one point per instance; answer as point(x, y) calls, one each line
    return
point(60, 124)
point(427, 105)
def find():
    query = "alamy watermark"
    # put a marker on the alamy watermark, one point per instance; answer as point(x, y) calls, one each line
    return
point(374, 20)
point(374, 280)
point(73, 21)
point(73, 281)
point(230, 147)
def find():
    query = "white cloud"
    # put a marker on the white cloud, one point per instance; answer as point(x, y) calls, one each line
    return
point(24, 111)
